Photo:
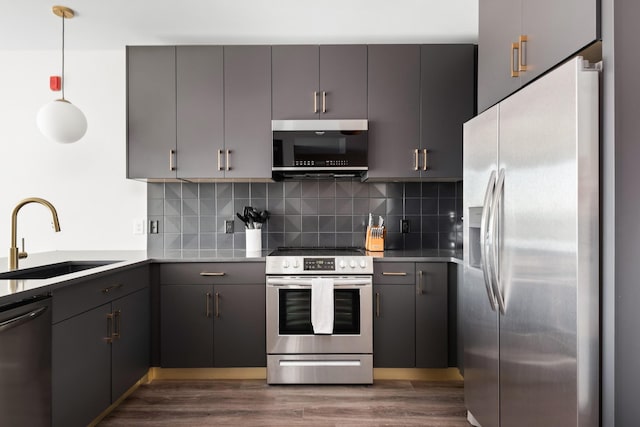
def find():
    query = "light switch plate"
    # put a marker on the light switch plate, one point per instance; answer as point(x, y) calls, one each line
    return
point(228, 226)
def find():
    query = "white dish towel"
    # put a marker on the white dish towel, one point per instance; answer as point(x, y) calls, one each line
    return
point(322, 305)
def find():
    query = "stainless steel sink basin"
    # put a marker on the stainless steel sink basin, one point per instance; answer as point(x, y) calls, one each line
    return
point(53, 270)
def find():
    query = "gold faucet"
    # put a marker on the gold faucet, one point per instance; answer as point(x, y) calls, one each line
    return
point(14, 254)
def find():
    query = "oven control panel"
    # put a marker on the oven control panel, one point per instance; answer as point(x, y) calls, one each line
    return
point(316, 265)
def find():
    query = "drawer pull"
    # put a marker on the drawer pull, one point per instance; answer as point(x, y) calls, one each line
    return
point(111, 288)
point(213, 273)
point(394, 273)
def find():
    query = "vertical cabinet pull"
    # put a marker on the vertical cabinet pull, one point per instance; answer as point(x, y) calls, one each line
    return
point(419, 288)
point(416, 159)
point(207, 309)
point(109, 337)
point(324, 101)
point(424, 159)
point(219, 160)
point(315, 101)
point(172, 154)
point(378, 305)
point(217, 305)
point(228, 164)
point(515, 54)
point(116, 324)
point(522, 53)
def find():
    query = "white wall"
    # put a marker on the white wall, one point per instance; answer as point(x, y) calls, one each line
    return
point(85, 181)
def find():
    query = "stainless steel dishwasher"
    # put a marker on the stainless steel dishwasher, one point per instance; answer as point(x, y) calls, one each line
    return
point(25, 363)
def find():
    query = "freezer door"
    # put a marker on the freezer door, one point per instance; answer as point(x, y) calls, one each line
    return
point(479, 317)
point(548, 251)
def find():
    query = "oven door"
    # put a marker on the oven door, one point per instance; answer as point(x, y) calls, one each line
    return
point(289, 329)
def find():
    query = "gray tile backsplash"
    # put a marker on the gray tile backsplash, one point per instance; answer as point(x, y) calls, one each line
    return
point(192, 216)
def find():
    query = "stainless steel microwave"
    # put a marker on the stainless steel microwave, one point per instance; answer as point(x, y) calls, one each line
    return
point(319, 148)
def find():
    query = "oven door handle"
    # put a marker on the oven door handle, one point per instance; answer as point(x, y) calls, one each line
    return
point(306, 282)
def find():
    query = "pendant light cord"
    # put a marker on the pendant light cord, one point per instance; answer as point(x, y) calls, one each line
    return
point(63, 82)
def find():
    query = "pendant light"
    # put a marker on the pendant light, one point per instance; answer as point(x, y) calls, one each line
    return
point(60, 120)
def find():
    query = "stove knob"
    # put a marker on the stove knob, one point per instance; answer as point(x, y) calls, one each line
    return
point(352, 264)
point(285, 263)
point(295, 263)
point(341, 264)
point(363, 263)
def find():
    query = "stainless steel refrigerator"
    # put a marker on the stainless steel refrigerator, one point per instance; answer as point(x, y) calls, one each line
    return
point(530, 293)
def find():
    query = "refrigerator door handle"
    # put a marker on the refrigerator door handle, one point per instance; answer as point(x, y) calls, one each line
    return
point(494, 217)
point(486, 209)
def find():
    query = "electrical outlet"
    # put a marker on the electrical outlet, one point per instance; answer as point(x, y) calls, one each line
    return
point(138, 226)
point(153, 226)
point(404, 226)
point(228, 226)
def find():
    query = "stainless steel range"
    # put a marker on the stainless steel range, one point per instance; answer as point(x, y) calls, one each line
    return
point(319, 316)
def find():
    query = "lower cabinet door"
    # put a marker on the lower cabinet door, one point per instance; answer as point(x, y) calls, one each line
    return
point(186, 326)
point(130, 350)
point(81, 368)
point(431, 315)
point(239, 326)
point(394, 326)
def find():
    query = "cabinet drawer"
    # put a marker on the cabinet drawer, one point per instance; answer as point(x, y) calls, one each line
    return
point(85, 295)
point(394, 273)
point(201, 273)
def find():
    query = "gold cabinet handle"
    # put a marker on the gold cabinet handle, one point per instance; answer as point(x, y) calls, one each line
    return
point(228, 164)
point(109, 338)
point(424, 159)
point(315, 101)
point(111, 288)
point(207, 312)
point(217, 305)
point(324, 101)
point(419, 289)
point(415, 156)
point(394, 273)
point(219, 160)
point(514, 59)
point(378, 305)
point(116, 322)
point(172, 154)
point(212, 273)
point(522, 53)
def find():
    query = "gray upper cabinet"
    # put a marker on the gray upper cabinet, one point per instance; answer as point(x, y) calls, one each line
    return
point(200, 111)
point(393, 110)
point(447, 88)
point(151, 111)
point(247, 111)
point(319, 82)
point(419, 97)
point(519, 40)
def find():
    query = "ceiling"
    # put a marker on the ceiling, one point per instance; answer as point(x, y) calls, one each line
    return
point(113, 24)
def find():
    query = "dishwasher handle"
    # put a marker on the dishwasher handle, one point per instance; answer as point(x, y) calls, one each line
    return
point(21, 319)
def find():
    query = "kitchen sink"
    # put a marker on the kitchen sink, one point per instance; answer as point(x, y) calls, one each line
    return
point(53, 270)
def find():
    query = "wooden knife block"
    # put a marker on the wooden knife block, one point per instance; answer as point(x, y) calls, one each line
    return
point(374, 241)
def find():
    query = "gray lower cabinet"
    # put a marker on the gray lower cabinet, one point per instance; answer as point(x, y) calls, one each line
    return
point(419, 96)
point(520, 40)
point(212, 315)
point(410, 315)
point(319, 82)
point(100, 352)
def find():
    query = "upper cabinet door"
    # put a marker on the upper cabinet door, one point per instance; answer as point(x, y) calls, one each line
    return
point(343, 82)
point(200, 111)
point(247, 106)
point(393, 111)
point(447, 98)
point(555, 30)
point(295, 82)
point(499, 27)
point(151, 112)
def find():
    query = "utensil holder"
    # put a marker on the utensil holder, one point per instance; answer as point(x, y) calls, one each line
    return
point(253, 240)
point(374, 240)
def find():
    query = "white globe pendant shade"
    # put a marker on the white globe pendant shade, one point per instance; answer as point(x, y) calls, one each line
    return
point(61, 121)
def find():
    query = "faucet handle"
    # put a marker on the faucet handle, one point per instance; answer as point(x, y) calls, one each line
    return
point(22, 254)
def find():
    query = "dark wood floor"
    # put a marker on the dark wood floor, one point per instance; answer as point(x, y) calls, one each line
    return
point(253, 403)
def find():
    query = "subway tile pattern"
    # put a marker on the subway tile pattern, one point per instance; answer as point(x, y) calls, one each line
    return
point(191, 216)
